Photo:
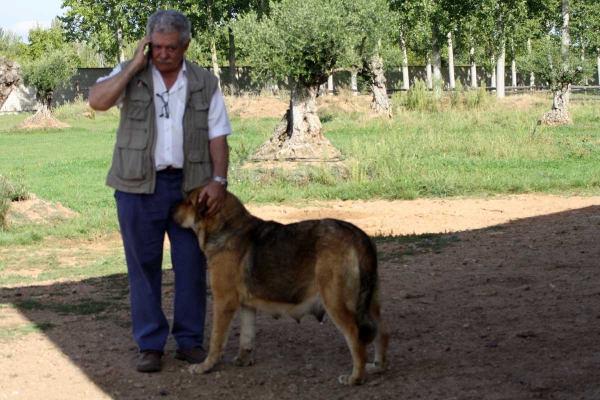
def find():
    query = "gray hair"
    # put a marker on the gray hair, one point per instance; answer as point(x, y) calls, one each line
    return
point(167, 21)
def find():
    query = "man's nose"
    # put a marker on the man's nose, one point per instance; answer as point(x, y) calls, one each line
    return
point(162, 53)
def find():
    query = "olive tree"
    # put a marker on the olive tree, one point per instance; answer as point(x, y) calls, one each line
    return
point(301, 42)
point(46, 74)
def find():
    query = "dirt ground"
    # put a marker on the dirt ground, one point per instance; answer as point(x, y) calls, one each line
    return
point(504, 303)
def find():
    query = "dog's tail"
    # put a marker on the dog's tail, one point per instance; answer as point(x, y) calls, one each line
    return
point(367, 327)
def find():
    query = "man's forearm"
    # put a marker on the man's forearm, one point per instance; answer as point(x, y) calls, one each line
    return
point(103, 95)
point(219, 154)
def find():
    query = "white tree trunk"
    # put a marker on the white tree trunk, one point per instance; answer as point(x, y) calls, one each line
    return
point(353, 83)
point(405, 77)
point(532, 75)
point(450, 62)
point(215, 62)
point(493, 60)
point(582, 43)
point(232, 70)
point(428, 71)
point(437, 67)
point(120, 46)
point(500, 84)
point(566, 44)
point(513, 66)
point(437, 60)
point(473, 65)
point(598, 64)
point(330, 85)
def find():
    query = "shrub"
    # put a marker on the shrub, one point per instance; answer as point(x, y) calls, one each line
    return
point(5, 195)
point(457, 95)
point(418, 98)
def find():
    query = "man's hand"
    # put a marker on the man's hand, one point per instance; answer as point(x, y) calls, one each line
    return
point(140, 60)
point(215, 194)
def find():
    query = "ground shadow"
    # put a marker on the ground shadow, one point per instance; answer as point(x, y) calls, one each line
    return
point(507, 312)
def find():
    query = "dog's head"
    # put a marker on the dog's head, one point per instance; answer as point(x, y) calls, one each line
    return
point(192, 213)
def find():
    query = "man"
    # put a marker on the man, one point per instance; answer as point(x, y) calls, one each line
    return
point(172, 138)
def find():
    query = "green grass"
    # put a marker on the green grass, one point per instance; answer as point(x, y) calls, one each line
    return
point(413, 244)
point(14, 332)
point(447, 152)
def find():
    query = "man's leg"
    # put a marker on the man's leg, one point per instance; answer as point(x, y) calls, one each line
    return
point(189, 265)
point(143, 220)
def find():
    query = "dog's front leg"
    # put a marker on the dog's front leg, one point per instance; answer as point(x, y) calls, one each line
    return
point(224, 310)
point(247, 335)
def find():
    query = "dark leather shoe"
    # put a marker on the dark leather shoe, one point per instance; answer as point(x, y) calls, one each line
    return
point(195, 355)
point(149, 361)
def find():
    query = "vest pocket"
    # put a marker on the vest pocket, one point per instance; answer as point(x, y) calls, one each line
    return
point(201, 115)
point(198, 169)
point(131, 154)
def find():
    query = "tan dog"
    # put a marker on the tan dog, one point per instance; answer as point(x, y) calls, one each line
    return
point(292, 270)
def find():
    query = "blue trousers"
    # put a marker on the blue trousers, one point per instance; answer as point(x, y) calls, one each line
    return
point(144, 219)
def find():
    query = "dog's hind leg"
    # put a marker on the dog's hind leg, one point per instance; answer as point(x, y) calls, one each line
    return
point(345, 320)
point(247, 335)
point(225, 306)
point(381, 340)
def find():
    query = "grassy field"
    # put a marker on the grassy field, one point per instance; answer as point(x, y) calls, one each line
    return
point(448, 152)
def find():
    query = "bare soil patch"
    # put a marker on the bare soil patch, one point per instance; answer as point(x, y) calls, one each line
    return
point(34, 123)
point(260, 107)
point(37, 210)
point(500, 303)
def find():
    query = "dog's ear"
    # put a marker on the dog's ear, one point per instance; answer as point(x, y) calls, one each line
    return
point(193, 197)
point(200, 207)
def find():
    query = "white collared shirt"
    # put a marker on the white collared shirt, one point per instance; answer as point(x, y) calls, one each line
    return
point(169, 138)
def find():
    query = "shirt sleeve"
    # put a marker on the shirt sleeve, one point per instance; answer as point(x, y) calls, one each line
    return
point(218, 120)
point(114, 72)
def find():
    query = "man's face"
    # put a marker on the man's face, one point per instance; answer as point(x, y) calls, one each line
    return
point(167, 51)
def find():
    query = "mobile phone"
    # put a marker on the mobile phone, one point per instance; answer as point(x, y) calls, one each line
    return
point(149, 51)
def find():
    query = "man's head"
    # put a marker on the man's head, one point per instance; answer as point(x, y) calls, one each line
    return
point(169, 31)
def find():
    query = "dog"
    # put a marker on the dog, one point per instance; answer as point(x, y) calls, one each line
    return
point(309, 267)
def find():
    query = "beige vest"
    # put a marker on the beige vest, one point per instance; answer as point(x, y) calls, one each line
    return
point(133, 168)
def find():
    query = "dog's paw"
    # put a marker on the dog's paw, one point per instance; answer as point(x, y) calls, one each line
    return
point(244, 358)
point(349, 380)
point(200, 368)
point(375, 368)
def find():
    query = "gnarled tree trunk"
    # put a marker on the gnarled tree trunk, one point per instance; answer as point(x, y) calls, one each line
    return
point(43, 118)
point(299, 135)
point(559, 115)
point(9, 78)
point(381, 104)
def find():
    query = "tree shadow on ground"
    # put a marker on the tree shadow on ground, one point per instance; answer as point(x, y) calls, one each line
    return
point(507, 312)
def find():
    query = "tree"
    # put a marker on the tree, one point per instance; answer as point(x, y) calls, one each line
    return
point(46, 74)
point(110, 24)
point(11, 45)
point(375, 22)
point(556, 60)
point(42, 40)
point(302, 42)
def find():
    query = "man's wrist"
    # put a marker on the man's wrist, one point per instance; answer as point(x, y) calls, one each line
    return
point(221, 180)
